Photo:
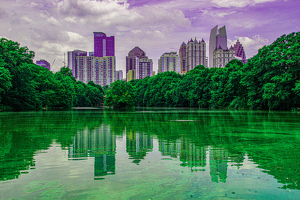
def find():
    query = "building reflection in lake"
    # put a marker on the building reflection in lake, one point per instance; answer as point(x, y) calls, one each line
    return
point(137, 145)
point(99, 143)
point(218, 158)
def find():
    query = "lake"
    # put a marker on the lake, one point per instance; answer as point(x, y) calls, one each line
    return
point(149, 153)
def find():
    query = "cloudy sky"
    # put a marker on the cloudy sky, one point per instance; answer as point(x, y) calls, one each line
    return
point(53, 27)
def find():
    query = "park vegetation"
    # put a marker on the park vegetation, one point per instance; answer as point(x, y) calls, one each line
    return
point(269, 80)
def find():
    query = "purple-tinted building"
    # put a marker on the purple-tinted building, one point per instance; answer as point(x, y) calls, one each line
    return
point(132, 60)
point(72, 60)
point(119, 75)
point(43, 63)
point(103, 45)
point(239, 52)
point(169, 61)
point(195, 54)
point(218, 38)
point(182, 56)
point(144, 69)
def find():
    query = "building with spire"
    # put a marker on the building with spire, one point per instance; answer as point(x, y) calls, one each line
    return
point(239, 52)
point(169, 61)
point(195, 54)
point(222, 56)
point(192, 54)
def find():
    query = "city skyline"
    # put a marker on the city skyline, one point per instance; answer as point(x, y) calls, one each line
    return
point(51, 28)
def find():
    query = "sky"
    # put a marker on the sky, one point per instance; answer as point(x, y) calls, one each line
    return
point(51, 28)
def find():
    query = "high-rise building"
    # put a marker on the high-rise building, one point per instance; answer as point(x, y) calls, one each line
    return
point(239, 52)
point(99, 66)
point(218, 37)
point(195, 54)
point(182, 56)
point(72, 60)
point(144, 69)
point(130, 75)
point(169, 61)
point(43, 63)
point(133, 58)
point(103, 45)
point(192, 54)
point(222, 56)
point(100, 70)
point(119, 75)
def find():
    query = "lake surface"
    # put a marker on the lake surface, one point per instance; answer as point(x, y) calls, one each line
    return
point(149, 153)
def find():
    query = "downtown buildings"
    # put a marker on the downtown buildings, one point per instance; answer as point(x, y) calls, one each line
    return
point(219, 53)
point(138, 65)
point(192, 54)
point(99, 66)
point(169, 61)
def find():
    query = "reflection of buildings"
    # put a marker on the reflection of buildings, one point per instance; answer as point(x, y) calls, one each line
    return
point(99, 143)
point(137, 145)
point(170, 149)
point(192, 156)
point(218, 158)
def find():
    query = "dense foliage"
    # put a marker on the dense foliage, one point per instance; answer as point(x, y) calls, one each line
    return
point(119, 95)
point(27, 86)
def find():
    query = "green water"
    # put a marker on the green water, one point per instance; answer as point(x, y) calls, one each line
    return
point(151, 153)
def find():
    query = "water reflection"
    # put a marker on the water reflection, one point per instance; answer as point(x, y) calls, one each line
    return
point(204, 142)
point(137, 145)
point(99, 143)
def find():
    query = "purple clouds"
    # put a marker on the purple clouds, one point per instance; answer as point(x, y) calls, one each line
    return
point(53, 27)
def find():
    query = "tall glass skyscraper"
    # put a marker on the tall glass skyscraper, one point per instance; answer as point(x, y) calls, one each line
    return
point(72, 60)
point(103, 45)
point(218, 38)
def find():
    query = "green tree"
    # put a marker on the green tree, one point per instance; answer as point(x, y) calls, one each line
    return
point(272, 74)
point(5, 81)
point(120, 95)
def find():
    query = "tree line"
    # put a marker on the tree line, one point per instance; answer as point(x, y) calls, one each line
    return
point(269, 80)
point(27, 86)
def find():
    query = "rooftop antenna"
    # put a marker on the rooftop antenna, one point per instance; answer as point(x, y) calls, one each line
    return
point(52, 64)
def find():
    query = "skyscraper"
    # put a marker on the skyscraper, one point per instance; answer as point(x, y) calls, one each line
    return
point(72, 60)
point(169, 61)
point(222, 56)
point(218, 38)
point(99, 66)
point(239, 52)
point(133, 58)
point(212, 45)
point(119, 75)
point(182, 56)
point(103, 45)
point(144, 69)
point(43, 63)
point(195, 54)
